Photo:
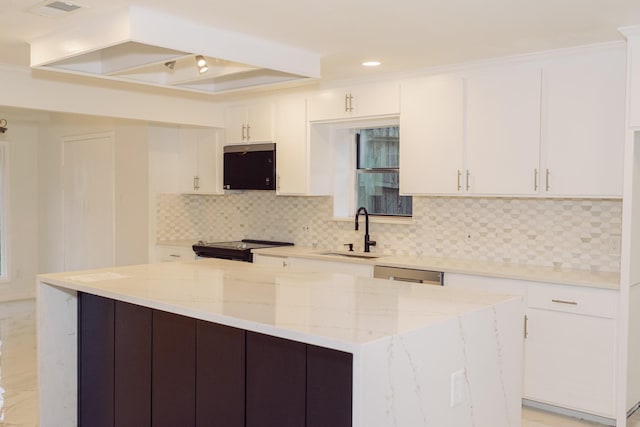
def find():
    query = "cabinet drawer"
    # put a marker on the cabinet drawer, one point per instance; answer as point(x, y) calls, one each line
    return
point(174, 253)
point(572, 299)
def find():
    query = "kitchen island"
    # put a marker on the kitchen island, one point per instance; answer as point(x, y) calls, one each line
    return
point(368, 351)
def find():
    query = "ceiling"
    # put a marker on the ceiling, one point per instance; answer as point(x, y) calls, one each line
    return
point(404, 35)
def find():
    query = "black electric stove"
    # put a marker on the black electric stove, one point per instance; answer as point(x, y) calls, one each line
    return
point(239, 250)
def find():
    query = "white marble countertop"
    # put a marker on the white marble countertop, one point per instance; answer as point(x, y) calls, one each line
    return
point(596, 279)
point(331, 310)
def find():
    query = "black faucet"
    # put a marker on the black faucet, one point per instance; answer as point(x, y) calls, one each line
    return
point(367, 243)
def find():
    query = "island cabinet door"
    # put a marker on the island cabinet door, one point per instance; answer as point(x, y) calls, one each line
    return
point(133, 326)
point(95, 361)
point(276, 383)
point(173, 370)
point(329, 387)
point(220, 375)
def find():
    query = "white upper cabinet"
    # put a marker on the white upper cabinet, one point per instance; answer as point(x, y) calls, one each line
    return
point(360, 101)
point(199, 161)
point(431, 135)
point(249, 123)
point(583, 129)
point(503, 130)
point(291, 145)
point(633, 43)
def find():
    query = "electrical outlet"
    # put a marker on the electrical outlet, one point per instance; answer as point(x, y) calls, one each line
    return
point(614, 244)
point(457, 386)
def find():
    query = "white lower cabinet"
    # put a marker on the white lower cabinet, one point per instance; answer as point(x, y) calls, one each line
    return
point(305, 264)
point(322, 266)
point(271, 260)
point(570, 344)
point(170, 253)
point(570, 348)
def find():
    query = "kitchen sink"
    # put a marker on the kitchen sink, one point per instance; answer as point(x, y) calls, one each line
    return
point(351, 255)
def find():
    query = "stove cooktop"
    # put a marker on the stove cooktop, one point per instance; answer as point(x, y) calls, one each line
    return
point(236, 250)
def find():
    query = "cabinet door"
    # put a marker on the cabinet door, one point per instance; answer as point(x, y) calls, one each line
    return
point(235, 123)
point(95, 361)
point(329, 387)
point(503, 130)
point(431, 136)
point(188, 158)
point(633, 43)
point(276, 381)
point(209, 164)
point(249, 123)
point(328, 104)
point(375, 100)
point(584, 105)
point(220, 376)
point(173, 370)
point(199, 157)
point(132, 372)
point(260, 122)
point(291, 146)
point(570, 361)
point(359, 101)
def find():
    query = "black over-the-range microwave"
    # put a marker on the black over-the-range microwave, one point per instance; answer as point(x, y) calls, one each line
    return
point(250, 167)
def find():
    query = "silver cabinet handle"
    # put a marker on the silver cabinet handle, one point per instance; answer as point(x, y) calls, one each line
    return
point(277, 181)
point(174, 255)
point(547, 180)
point(526, 326)
point(560, 301)
point(348, 102)
point(468, 175)
point(243, 137)
point(248, 134)
point(196, 182)
point(284, 263)
point(459, 178)
point(535, 179)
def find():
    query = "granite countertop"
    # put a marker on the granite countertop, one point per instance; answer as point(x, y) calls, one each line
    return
point(595, 279)
point(331, 310)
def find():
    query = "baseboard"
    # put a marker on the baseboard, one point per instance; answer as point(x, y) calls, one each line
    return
point(569, 412)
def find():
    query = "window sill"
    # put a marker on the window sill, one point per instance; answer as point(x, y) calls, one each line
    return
point(378, 220)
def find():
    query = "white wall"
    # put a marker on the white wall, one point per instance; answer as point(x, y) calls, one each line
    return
point(22, 212)
point(131, 186)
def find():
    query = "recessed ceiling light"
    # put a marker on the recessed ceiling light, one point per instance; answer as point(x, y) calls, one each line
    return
point(371, 63)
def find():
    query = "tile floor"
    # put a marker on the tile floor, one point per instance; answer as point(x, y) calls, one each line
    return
point(18, 384)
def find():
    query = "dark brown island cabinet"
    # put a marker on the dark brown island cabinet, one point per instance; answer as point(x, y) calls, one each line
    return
point(144, 367)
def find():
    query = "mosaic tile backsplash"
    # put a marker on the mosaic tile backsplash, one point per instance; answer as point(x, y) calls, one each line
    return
point(577, 233)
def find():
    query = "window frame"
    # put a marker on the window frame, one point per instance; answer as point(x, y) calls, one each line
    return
point(358, 171)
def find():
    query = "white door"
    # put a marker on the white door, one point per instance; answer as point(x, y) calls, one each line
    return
point(88, 194)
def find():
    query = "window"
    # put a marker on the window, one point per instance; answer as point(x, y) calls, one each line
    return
point(377, 172)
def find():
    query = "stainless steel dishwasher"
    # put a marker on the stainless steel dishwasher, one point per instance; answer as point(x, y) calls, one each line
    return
point(427, 277)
